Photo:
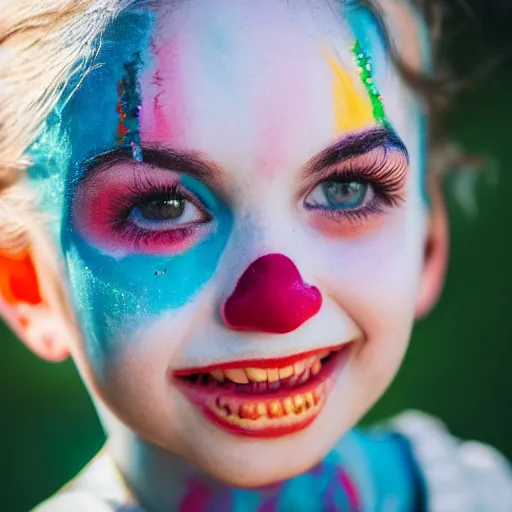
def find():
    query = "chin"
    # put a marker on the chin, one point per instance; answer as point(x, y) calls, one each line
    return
point(257, 470)
point(250, 463)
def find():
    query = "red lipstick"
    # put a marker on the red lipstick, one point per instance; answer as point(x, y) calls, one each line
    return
point(264, 398)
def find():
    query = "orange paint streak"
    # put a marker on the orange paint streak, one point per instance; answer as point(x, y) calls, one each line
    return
point(18, 280)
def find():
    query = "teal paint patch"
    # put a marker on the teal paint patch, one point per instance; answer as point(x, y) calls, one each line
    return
point(368, 30)
point(114, 297)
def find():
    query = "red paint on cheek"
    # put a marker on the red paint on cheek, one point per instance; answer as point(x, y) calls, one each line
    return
point(100, 209)
point(271, 297)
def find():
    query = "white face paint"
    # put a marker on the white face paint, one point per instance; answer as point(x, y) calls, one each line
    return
point(253, 94)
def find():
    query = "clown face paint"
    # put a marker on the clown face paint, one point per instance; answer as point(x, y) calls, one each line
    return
point(206, 137)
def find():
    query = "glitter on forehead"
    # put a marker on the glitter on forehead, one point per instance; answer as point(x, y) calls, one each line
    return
point(365, 69)
point(128, 108)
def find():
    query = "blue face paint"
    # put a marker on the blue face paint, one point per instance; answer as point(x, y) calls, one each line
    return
point(113, 297)
point(116, 296)
point(368, 30)
point(85, 123)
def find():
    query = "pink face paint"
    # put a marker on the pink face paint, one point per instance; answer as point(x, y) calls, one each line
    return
point(272, 297)
point(198, 497)
point(350, 490)
point(102, 207)
point(277, 118)
point(163, 118)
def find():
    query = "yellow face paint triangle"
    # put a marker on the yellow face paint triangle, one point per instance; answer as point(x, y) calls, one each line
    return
point(352, 108)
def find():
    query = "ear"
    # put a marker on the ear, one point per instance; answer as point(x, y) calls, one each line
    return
point(436, 254)
point(29, 307)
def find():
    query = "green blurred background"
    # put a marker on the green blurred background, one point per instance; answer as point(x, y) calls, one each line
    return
point(458, 367)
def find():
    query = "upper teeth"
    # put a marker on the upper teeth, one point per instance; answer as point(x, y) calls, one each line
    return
point(245, 375)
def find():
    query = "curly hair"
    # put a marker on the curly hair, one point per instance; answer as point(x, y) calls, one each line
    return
point(44, 43)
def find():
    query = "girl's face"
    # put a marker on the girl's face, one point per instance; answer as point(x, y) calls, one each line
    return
point(240, 204)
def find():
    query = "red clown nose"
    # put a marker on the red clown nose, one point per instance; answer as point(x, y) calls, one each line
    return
point(271, 297)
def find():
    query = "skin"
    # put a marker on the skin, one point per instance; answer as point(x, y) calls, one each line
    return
point(253, 90)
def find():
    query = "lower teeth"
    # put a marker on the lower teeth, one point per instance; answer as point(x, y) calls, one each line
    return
point(273, 409)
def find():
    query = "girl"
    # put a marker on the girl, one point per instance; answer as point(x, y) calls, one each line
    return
point(228, 213)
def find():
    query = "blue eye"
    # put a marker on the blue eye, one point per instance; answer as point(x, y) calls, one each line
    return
point(341, 195)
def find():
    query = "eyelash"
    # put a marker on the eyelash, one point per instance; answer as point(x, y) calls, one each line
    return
point(144, 190)
point(103, 210)
point(145, 240)
point(386, 179)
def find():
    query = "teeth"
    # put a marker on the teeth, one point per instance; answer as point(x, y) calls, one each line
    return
point(288, 405)
point(249, 411)
point(218, 375)
point(310, 361)
point(271, 378)
point(293, 380)
point(299, 367)
point(256, 374)
point(261, 410)
point(275, 409)
point(285, 372)
point(237, 375)
point(299, 403)
point(273, 375)
point(305, 376)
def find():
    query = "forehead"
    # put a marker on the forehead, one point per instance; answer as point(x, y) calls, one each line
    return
point(232, 77)
point(244, 71)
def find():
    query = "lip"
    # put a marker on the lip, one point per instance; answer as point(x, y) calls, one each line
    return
point(265, 415)
point(276, 362)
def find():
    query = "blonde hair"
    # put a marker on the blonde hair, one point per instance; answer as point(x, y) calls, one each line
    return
point(43, 44)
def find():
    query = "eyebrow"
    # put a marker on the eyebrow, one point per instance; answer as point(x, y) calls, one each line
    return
point(170, 159)
point(192, 164)
point(357, 144)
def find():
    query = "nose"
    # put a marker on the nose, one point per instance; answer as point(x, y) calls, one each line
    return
point(271, 297)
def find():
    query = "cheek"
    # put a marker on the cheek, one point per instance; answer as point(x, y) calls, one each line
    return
point(117, 298)
point(375, 278)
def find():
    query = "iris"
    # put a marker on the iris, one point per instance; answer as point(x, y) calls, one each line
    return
point(344, 195)
point(159, 210)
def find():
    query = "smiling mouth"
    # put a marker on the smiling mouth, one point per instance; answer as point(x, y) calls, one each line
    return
point(264, 398)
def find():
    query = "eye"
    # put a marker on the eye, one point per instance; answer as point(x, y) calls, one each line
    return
point(168, 211)
point(341, 195)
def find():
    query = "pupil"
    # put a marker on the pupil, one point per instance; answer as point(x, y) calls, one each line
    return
point(162, 209)
point(345, 194)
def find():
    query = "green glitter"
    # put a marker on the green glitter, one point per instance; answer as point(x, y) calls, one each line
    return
point(364, 65)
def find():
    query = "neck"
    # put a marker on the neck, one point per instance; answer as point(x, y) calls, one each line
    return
point(161, 482)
